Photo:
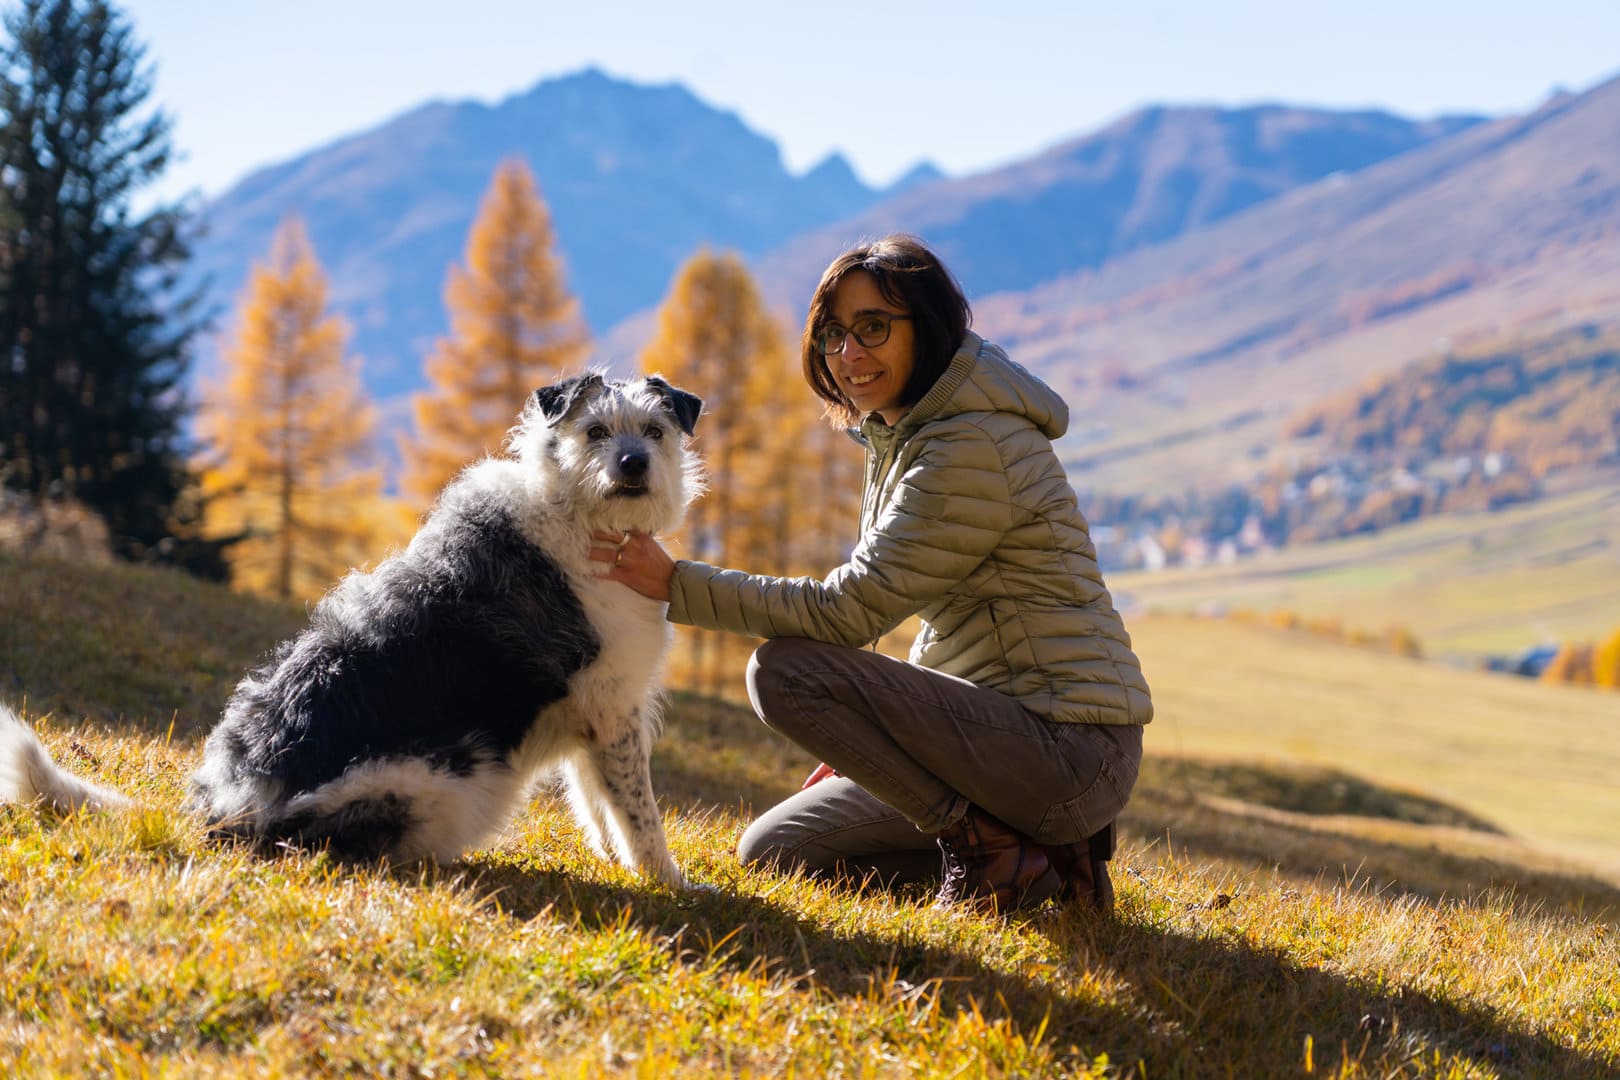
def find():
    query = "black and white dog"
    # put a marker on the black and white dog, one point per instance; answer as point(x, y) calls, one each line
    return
point(414, 714)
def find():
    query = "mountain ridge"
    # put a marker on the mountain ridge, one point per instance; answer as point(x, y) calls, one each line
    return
point(637, 177)
point(388, 208)
point(1505, 227)
point(1151, 175)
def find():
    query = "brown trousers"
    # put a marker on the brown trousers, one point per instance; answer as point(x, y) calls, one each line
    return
point(915, 748)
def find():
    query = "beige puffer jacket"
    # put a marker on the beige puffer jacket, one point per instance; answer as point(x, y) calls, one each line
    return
point(968, 519)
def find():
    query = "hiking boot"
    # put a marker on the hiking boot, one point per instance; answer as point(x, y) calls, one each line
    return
point(993, 867)
point(1083, 867)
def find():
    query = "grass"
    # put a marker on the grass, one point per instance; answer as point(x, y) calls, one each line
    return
point(1468, 585)
point(1275, 918)
point(1537, 760)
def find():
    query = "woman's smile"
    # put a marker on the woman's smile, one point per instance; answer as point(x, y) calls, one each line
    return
point(874, 376)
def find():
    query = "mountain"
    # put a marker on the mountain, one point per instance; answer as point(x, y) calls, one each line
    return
point(1182, 361)
point(1188, 277)
point(1143, 180)
point(637, 178)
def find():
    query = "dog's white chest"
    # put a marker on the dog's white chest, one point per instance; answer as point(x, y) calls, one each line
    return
point(632, 632)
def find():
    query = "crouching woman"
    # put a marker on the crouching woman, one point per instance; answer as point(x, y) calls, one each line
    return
point(998, 757)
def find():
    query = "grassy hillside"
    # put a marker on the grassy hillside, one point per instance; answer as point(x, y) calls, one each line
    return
point(1183, 362)
point(1354, 917)
point(1467, 585)
point(1538, 761)
point(1550, 403)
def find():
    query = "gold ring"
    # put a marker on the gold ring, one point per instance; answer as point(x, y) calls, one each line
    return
point(619, 557)
point(623, 540)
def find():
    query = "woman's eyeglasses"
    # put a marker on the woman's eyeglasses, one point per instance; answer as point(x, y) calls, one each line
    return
point(870, 330)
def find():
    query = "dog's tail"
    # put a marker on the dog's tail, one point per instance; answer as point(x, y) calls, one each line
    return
point(27, 773)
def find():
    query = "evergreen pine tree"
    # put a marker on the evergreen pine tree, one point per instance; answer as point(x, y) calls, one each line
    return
point(513, 328)
point(94, 328)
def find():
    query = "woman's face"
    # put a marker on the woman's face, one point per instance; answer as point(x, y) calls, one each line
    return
point(874, 376)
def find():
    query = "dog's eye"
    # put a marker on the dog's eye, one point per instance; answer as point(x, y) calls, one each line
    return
point(597, 433)
point(653, 431)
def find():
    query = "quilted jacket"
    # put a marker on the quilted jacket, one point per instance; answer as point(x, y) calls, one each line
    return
point(968, 520)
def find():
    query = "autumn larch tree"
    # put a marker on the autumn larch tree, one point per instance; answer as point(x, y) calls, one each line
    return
point(514, 327)
point(288, 430)
point(1606, 661)
point(716, 339)
point(1571, 664)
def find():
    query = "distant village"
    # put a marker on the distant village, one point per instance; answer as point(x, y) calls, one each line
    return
point(1351, 496)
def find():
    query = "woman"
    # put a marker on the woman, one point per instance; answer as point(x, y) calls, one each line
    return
point(999, 756)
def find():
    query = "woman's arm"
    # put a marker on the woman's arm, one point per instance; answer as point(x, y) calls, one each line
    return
point(949, 511)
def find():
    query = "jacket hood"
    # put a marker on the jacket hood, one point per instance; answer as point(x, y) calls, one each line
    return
point(981, 378)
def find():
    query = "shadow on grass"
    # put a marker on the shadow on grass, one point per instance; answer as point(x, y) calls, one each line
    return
point(1425, 865)
point(715, 754)
point(1208, 1005)
point(1305, 789)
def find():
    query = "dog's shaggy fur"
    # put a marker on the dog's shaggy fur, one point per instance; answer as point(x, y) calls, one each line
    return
point(412, 716)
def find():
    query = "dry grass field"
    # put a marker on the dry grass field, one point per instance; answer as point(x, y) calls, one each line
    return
point(1538, 762)
point(1334, 866)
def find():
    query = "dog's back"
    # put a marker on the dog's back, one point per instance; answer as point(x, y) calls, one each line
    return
point(445, 654)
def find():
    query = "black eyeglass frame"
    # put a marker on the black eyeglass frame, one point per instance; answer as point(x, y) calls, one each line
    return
point(848, 332)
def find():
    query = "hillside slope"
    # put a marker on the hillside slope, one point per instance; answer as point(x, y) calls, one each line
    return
point(1538, 760)
point(639, 178)
point(1456, 736)
point(1468, 585)
point(1183, 361)
point(1272, 918)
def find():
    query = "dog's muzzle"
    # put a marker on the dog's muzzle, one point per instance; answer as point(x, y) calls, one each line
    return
point(630, 473)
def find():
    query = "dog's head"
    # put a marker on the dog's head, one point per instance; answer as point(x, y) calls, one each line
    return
point(617, 450)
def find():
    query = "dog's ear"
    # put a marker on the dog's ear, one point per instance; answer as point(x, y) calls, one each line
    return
point(683, 406)
point(559, 400)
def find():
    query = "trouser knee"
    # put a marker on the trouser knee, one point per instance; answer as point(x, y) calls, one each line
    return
point(761, 847)
point(771, 673)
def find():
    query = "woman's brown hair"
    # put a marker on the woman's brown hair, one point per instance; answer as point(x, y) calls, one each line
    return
point(911, 277)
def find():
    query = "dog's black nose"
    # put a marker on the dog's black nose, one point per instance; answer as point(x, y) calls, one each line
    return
point(633, 465)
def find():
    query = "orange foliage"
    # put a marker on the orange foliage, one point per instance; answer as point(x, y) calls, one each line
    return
point(1550, 402)
point(289, 435)
point(513, 328)
point(1572, 664)
point(716, 339)
point(1394, 638)
point(1606, 662)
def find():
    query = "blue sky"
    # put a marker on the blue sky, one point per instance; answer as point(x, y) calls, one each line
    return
point(887, 83)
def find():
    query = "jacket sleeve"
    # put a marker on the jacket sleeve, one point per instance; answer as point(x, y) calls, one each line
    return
point(949, 511)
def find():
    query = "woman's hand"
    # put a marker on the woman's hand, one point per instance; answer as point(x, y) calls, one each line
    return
point(636, 560)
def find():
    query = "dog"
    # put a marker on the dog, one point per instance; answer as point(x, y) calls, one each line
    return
point(413, 715)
